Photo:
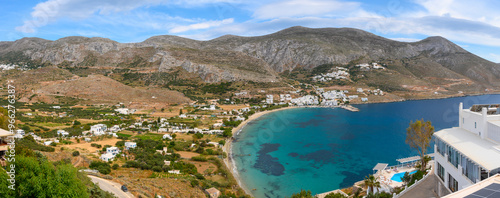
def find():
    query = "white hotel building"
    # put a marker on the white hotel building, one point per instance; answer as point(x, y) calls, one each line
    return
point(469, 153)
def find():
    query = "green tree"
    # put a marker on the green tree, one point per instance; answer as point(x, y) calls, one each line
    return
point(76, 123)
point(418, 136)
point(38, 177)
point(303, 194)
point(371, 182)
point(335, 195)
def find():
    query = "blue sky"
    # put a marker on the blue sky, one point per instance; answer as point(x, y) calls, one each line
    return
point(474, 25)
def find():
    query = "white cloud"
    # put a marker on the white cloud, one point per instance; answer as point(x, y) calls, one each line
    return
point(301, 8)
point(202, 25)
point(52, 10)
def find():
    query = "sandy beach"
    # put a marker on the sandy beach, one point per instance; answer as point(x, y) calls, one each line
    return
point(228, 149)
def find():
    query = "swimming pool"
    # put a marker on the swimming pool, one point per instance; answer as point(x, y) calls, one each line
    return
point(397, 177)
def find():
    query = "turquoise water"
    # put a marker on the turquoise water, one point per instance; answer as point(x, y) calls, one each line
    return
point(322, 149)
point(397, 177)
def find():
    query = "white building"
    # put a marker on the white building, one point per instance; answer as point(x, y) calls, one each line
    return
point(167, 136)
point(98, 129)
point(20, 132)
point(125, 111)
point(47, 143)
point(107, 157)
point(239, 118)
point(62, 132)
point(130, 145)
point(174, 172)
point(113, 150)
point(469, 153)
point(269, 99)
point(115, 128)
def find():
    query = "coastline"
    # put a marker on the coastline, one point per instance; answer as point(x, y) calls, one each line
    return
point(229, 161)
point(228, 146)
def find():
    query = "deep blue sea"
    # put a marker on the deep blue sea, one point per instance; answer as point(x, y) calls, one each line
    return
point(323, 149)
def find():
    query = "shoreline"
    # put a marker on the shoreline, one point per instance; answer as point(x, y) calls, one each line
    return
point(229, 162)
point(228, 146)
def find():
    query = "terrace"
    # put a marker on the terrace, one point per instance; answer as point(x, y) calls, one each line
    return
point(390, 176)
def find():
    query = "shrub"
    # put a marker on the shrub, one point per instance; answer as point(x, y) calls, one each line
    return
point(199, 158)
point(95, 145)
point(76, 153)
point(115, 166)
point(102, 167)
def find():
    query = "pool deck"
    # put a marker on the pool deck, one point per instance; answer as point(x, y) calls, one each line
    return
point(384, 176)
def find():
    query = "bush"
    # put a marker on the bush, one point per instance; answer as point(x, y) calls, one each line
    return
point(199, 158)
point(102, 167)
point(76, 153)
point(95, 145)
point(115, 166)
point(30, 143)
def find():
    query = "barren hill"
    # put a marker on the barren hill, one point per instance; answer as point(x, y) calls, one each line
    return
point(263, 58)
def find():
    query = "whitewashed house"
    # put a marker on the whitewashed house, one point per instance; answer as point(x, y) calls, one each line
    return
point(20, 132)
point(130, 145)
point(62, 133)
point(167, 136)
point(174, 172)
point(98, 129)
point(469, 153)
point(107, 157)
point(115, 128)
point(113, 150)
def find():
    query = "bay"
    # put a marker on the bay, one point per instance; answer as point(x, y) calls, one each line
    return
point(323, 149)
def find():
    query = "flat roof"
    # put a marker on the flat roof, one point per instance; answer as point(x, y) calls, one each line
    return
point(488, 188)
point(5, 133)
point(476, 149)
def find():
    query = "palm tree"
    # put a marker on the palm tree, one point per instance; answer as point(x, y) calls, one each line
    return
point(371, 182)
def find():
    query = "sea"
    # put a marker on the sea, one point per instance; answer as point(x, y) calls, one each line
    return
point(323, 149)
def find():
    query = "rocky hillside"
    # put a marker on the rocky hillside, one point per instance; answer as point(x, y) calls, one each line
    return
point(262, 58)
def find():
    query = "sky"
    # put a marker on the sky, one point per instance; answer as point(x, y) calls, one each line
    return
point(474, 25)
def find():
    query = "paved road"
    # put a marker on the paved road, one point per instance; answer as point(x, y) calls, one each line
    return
point(111, 187)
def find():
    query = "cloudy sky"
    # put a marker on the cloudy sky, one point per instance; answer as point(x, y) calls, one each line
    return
point(474, 25)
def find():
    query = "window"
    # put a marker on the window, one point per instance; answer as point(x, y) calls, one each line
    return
point(440, 171)
point(452, 183)
point(475, 125)
point(441, 146)
point(453, 156)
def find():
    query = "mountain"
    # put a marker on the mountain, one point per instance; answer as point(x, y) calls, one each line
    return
point(262, 58)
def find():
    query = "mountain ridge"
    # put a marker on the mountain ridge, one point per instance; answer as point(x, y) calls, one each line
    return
point(260, 58)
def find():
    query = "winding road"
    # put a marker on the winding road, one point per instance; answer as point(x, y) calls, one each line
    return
point(111, 187)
